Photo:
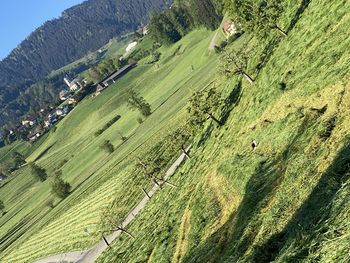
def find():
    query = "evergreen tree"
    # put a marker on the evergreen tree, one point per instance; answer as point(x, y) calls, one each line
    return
point(205, 13)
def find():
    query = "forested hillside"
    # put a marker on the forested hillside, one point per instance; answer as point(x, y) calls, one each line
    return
point(80, 29)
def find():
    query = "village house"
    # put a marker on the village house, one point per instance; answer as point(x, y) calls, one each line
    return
point(34, 134)
point(73, 85)
point(229, 28)
point(71, 101)
point(145, 30)
point(29, 121)
point(112, 78)
point(130, 47)
point(64, 95)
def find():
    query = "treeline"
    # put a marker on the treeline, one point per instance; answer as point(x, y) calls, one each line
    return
point(171, 25)
point(104, 68)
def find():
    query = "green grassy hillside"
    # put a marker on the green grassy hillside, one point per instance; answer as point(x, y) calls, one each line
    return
point(289, 200)
point(30, 229)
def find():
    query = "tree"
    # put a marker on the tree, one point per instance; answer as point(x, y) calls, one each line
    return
point(202, 106)
point(18, 159)
point(107, 146)
point(38, 172)
point(162, 29)
point(60, 188)
point(235, 63)
point(2, 207)
point(178, 138)
point(94, 75)
point(258, 17)
point(205, 13)
point(135, 101)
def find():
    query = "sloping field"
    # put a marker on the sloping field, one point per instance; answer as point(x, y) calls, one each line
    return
point(30, 229)
point(287, 201)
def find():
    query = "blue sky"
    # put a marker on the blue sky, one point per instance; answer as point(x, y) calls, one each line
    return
point(18, 18)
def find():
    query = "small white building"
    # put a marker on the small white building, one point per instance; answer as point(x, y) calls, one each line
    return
point(131, 46)
point(28, 122)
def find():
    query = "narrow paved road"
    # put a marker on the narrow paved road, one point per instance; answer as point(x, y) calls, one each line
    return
point(213, 41)
point(89, 256)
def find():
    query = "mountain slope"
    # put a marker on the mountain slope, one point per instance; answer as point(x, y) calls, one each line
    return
point(80, 29)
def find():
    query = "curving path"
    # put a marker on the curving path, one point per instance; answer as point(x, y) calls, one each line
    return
point(89, 256)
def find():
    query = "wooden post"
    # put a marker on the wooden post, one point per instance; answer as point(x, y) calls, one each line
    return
point(250, 80)
point(146, 193)
point(281, 31)
point(185, 152)
point(105, 240)
point(126, 232)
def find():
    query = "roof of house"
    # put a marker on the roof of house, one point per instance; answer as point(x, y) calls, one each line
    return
point(227, 25)
point(117, 73)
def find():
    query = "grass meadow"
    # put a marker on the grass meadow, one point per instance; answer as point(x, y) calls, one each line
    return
point(30, 229)
point(287, 201)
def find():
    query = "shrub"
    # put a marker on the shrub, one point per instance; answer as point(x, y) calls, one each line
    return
point(107, 146)
point(139, 120)
point(58, 173)
point(50, 203)
point(2, 207)
point(17, 159)
point(60, 188)
point(107, 125)
point(63, 162)
point(328, 129)
point(38, 172)
point(282, 86)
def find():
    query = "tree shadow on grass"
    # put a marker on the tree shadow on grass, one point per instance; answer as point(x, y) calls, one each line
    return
point(267, 53)
point(311, 217)
point(44, 152)
point(231, 102)
point(302, 7)
point(234, 238)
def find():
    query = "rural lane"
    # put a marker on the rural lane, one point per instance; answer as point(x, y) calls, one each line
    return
point(89, 256)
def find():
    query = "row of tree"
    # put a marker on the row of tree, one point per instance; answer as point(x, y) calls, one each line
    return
point(59, 187)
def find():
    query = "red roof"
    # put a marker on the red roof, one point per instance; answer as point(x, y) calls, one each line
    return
point(227, 25)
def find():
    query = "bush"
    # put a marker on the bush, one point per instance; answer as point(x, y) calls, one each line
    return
point(2, 207)
point(38, 172)
point(139, 120)
point(63, 162)
point(107, 125)
point(328, 129)
point(58, 173)
point(107, 146)
point(50, 203)
point(18, 159)
point(60, 188)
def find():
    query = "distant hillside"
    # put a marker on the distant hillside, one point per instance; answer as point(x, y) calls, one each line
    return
point(80, 29)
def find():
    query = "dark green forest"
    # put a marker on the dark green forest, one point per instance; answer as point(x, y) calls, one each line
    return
point(81, 29)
